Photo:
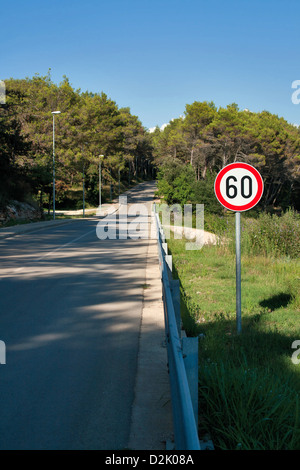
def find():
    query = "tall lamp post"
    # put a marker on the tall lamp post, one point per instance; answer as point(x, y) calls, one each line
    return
point(83, 177)
point(101, 157)
point(83, 189)
point(53, 114)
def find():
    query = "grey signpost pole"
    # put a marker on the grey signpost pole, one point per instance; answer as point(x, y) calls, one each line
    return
point(83, 202)
point(53, 164)
point(100, 174)
point(53, 114)
point(238, 187)
point(100, 184)
point(238, 271)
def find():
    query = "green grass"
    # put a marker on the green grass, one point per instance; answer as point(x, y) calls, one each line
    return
point(248, 384)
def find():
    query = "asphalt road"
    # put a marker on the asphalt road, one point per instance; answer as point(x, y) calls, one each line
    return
point(70, 314)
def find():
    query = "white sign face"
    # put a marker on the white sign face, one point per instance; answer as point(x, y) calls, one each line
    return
point(238, 186)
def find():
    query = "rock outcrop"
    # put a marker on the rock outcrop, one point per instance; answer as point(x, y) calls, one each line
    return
point(16, 210)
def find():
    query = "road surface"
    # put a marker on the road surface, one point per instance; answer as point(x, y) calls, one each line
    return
point(70, 313)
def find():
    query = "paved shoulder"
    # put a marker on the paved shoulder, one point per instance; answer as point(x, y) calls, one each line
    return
point(152, 424)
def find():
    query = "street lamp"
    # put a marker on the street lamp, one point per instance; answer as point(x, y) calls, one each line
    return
point(83, 176)
point(101, 157)
point(53, 114)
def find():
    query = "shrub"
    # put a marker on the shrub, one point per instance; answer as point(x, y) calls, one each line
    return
point(273, 235)
point(245, 411)
point(265, 235)
point(176, 183)
point(205, 194)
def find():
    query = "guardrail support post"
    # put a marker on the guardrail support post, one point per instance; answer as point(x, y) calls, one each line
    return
point(168, 259)
point(175, 291)
point(190, 357)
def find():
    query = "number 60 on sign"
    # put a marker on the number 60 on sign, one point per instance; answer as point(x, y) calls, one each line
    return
point(239, 187)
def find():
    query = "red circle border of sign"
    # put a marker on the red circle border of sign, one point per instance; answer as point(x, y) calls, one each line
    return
point(258, 178)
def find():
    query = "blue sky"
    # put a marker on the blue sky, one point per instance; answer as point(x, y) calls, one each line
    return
point(157, 56)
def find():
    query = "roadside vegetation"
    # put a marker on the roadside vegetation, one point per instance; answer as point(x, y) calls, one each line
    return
point(91, 130)
point(248, 384)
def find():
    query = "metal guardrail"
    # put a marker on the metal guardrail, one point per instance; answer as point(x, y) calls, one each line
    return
point(182, 356)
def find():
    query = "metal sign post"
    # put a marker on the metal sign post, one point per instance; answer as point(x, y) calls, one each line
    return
point(238, 271)
point(238, 187)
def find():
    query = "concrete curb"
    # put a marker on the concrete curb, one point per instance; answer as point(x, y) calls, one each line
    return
point(152, 423)
point(7, 232)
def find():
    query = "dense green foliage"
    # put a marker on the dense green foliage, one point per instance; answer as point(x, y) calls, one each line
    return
point(263, 235)
point(188, 152)
point(89, 125)
point(272, 235)
point(206, 139)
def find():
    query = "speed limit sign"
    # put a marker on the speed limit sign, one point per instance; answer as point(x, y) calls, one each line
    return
point(239, 186)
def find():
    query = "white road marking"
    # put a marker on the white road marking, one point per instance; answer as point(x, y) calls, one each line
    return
point(57, 249)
